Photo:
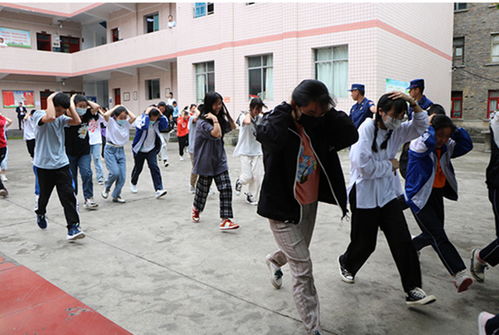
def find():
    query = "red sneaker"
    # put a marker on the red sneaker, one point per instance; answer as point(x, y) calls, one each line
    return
point(227, 224)
point(195, 215)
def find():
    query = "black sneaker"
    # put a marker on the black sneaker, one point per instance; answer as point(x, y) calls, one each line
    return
point(346, 275)
point(238, 187)
point(165, 163)
point(74, 232)
point(41, 220)
point(417, 296)
point(4, 193)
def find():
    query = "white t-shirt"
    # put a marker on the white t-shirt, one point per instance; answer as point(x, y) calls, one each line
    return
point(94, 131)
point(247, 144)
point(170, 101)
point(29, 129)
point(116, 134)
point(171, 24)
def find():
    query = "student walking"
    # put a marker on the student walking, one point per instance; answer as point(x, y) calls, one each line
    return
point(183, 133)
point(167, 112)
point(192, 125)
point(210, 159)
point(52, 163)
point(249, 151)
point(95, 141)
point(300, 143)
point(430, 178)
point(146, 145)
point(119, 120)
point(375, 190)
point(29, 137)
point(4, 122)
point(482, 258)
point(78, 149)
point(4, 163)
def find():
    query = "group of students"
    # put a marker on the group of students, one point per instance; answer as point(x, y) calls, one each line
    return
point(298, 144)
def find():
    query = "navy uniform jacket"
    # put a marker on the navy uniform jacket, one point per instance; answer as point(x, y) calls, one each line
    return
point(424, 103)
point(361, 111)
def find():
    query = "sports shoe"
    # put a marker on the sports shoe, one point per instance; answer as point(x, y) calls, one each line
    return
point(4, 178)
point(4, 193)
point(133, 188)
point(90, 204)
point(105, 194)
point(417, 296)
point(462, 281)
point(195, 215)
point(160, 193)
point(119, 200)
point(478, 266)
point(251, 200)
point(41, 220)
point(346, 276)
point(165, 163)
point(238, 187)
point(227, 224)
point(275, 273)
point(74, 232)
point(482, 321)
point(181, 158)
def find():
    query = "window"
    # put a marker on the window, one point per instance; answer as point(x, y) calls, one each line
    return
point(493, 102)
point(115, 34)
point(456, 111)
point(460, 6)
point(152, 89)
point(70, 44)
point(260, 77)
point(458, 51)
point(331, 67)
point(203, 9)
point(205, 79)
point(151, 23)
point(494, 49)
point(43, 42)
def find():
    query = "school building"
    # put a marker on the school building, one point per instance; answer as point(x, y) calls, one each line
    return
point(136, 53)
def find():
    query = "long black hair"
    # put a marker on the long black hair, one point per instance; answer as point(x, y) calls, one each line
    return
point(311, 90)
point(223, 116)
point(385, 103)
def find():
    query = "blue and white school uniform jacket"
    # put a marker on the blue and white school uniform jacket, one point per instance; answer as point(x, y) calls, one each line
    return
point(143, 126)
point(422, 166)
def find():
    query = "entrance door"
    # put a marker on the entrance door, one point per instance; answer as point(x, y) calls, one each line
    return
point(44, 41)
point(43, 98)
point(70, 44)
point(117, 96)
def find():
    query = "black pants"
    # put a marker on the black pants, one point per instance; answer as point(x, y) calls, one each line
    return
point(3, 152)
point(152, 162)
point(183, 142)
point(21, 122)
point(364, 232)
point(224, 186)
point(431, 221)
point(30, 144)
point(492, 326)
point(60, 179)
point(490, 253)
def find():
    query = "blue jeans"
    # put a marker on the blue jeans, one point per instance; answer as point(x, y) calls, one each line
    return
point(116, 165)
point(95, 152)
point(83, 164)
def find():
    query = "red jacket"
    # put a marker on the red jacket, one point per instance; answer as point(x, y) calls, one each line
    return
point(182, 127)
point(3, 140)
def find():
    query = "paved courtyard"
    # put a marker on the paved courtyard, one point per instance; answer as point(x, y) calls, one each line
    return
point(148, 268)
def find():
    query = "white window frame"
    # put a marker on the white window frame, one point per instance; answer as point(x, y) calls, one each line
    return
point(204, 73)
point(494, 36)
point(148, 84)
point(343, 92)
point(261, 67)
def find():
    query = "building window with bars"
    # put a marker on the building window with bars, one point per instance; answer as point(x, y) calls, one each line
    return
point(260, 77)
point(152, 89)
point(456, 111)
point(494, 48)
point(205, 79)
point(331, 67)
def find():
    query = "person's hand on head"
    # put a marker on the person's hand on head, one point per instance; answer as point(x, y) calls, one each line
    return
point(51, 97)
point(402, 95)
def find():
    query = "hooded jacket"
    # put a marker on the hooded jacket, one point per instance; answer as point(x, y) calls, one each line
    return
point(281, 145)
point(143, 126)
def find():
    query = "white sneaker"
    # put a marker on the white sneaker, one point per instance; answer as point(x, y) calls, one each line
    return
point(181, 158)
point(250, 199)
point(482, 321)
point(160, 193)
point(275, 273)
point(462, 281)
point(105, 194)
point(133, 188)
point(477, 267)
point(119, 200)
point(417, 296)
point(4, 178)
point(90, 204)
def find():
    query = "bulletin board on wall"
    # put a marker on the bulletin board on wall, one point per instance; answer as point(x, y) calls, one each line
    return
point(16, 37)
point(396, 85)
point(11, 98)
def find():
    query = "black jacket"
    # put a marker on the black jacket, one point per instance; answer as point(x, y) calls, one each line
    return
point(493, 168)
point(280, 142)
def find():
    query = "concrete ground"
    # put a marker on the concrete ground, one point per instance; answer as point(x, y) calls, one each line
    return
point(147, 267)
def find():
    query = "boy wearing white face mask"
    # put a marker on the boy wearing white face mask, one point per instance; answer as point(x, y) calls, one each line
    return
point(374, 190)
point(78, 149)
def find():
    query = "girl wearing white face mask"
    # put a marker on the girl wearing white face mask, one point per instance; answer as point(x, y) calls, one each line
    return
point(374, 190)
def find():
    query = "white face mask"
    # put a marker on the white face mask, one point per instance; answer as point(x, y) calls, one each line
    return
point(391, 123)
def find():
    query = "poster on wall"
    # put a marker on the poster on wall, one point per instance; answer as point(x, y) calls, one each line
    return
point(396, 85)
point(16, 38)
point(12, 98)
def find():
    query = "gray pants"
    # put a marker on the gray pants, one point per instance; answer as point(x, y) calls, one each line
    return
point(293, 241)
